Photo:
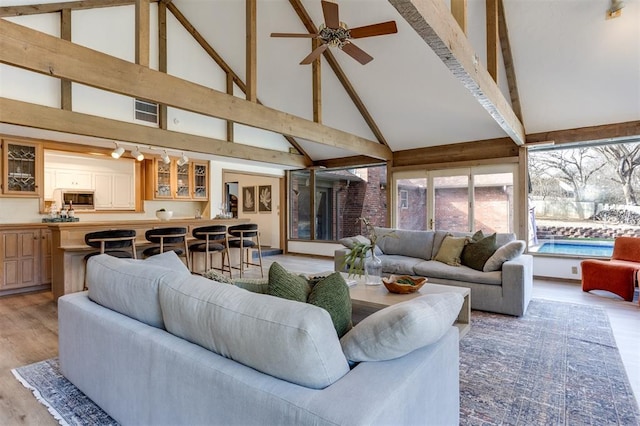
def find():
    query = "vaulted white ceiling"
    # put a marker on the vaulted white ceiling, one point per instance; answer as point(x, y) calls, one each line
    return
point(574, 68)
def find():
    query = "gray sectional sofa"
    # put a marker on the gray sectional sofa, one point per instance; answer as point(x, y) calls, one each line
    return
point(506, 290)
point(152, 344)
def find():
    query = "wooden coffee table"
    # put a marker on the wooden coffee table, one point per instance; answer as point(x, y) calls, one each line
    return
point(371, 298)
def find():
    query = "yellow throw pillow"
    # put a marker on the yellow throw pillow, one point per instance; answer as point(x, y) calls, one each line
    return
point(451, 249)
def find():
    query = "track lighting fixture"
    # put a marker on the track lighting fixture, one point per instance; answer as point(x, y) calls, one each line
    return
point(165, 157)
point(137, 154)
point(183, 160)
point(117, 152)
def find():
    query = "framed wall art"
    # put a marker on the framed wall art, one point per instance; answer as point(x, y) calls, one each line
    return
point(248, 199)
point(264, 198)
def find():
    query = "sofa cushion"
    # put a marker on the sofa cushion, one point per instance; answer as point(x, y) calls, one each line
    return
point(475, 254)
point(435, 269)
point(402, 328)
point(349, 242)
point(287, 285)
point(332, 294)
point(130, 286)
point(503, 254)
point(398, 264)
point(405, 242)
point(451, 249)
point(292, 341)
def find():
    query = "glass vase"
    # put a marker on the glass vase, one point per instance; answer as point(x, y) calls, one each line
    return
point(373, 270)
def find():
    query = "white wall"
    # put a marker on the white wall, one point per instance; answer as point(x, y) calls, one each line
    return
point(556, 267)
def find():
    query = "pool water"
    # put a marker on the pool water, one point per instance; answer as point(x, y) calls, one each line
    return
point(578, 249)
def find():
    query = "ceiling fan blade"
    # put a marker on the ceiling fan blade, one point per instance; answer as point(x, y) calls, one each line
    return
point(314, 54)
point(294, 35)
point(356, 53)
point(382, 28)
point(330, 11)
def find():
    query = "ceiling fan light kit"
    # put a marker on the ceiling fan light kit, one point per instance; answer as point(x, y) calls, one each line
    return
point(334, 33)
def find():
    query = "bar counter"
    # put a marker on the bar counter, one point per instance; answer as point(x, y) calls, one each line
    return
point(68, 248)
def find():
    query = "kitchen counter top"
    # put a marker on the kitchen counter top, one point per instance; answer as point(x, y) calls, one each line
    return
point(68, 247)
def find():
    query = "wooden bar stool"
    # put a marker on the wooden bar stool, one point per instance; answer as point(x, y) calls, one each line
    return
point(245, 237)
point(215, 241)
point(168, 239)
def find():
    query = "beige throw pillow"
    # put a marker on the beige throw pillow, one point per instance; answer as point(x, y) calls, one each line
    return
point(450, 250)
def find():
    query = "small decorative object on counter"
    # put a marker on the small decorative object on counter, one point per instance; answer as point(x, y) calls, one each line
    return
point(163, 214)
point(71, 212)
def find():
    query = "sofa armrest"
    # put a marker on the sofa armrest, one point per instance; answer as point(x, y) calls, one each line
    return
point(517, 283)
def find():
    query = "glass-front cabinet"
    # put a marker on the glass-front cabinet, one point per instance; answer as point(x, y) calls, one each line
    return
point(187, 181)
point(200, 181)
point(21, 168)
point(183, 183)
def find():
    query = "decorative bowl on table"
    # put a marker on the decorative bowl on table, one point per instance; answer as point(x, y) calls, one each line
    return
point(403, 284)
point(164, 214)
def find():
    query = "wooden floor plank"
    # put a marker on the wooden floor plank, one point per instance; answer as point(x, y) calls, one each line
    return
point(29, 333)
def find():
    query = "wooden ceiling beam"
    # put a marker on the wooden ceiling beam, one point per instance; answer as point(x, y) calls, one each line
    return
point(340, 74)
point(316, 82)
point(251, 49)
point(628, 129)
point(507, 57)
point(143, 32)
point(35, 9)
point(433, 22)
point(492, 38)
point(459, 12)
point(29, 49)
point(65, 85)
point(347, 162)
point(225, 67)
point(42, 117)
point(465, 151)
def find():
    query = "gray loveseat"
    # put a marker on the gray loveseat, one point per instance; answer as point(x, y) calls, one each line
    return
point(152, 344)
point(506, 290)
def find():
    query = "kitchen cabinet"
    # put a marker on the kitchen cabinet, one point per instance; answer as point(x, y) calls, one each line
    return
point(114, 191)
point(25, 258)
point(21, 168)
point(177, 182)
point(73, 179)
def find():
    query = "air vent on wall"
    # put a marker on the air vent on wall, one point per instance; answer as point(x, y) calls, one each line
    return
point(146, 111)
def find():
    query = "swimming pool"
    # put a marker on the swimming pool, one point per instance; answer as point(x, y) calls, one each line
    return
point(578, 248)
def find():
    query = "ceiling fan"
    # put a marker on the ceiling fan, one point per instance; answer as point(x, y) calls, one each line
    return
point(337, 34)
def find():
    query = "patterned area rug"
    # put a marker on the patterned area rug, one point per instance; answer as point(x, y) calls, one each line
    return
point(557, 365)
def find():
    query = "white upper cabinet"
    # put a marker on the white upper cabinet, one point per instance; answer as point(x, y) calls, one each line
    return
point(112, 180)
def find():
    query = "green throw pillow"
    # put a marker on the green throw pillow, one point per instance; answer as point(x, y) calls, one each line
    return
point(476, 254)
point(332, 294)
point(450, 250)
point(286, 285)
point(214, 275)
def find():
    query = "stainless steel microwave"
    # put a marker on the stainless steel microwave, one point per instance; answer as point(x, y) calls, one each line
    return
point(81, 199)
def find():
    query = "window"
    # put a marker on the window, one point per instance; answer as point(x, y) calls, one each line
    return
point(585, 195)
point(339, 197)
point(404, 199)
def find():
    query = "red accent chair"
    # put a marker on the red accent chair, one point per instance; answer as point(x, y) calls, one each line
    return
point(617, 275)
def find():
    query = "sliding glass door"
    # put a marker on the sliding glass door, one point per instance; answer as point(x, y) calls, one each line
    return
point(468, 199)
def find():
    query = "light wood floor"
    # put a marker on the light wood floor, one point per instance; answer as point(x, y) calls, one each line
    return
point(29, 333)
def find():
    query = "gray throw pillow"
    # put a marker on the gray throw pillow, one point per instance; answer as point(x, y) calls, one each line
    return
point(286, 285)
point(349, 242)
point(505, 253)
point(402, 328)
point(476, 253)
point(332, 294)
